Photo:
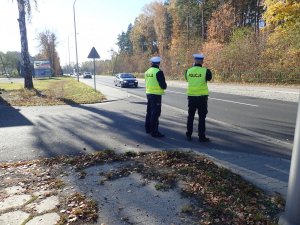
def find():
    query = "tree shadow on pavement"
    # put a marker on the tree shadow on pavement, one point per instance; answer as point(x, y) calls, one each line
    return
point(119, 126)
point(10, 116)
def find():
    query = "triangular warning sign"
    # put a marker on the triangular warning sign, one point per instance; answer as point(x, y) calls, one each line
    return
point(94, 54)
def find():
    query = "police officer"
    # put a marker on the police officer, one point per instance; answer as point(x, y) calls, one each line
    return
point(155, 86)
point(197, 91)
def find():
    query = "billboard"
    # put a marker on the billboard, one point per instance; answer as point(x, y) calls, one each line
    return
point(42, 68)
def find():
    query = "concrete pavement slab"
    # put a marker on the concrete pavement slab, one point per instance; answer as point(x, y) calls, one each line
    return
point(14, 201)
point(14, 218)
point(14, 190)
point(45, 205)
point(130, 199)
point(46, 219)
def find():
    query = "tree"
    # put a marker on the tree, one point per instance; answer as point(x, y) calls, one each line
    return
point(3, 65)
point(282, 14)
point(143, 36)
point(13, 61)
point(282, 52)
point(24, 7)
point(162, 25)
point(246, 12)
point(228, 32)
point(124, 41)
point(190, 19)
point(47, 44)
point(221, 24)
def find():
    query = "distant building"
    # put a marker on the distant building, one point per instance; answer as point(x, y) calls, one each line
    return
point(42, 69)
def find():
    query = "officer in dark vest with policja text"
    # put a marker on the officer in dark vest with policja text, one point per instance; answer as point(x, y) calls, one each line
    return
point(197, 91)
point(155, 88)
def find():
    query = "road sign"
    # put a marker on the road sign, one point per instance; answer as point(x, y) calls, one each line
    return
point(94, 54)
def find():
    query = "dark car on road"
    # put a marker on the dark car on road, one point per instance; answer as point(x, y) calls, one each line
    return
point(125, 80)
point(87, 75)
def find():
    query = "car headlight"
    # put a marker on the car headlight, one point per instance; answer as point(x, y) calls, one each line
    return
point(135, 81)
point(125, 81)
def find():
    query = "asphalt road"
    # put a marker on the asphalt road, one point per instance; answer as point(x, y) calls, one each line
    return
point(234, 124)
point(255, 118)
point(272, 118)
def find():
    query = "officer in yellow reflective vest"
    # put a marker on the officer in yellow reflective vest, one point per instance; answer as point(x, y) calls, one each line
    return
point(155, 88)
point(197, 91)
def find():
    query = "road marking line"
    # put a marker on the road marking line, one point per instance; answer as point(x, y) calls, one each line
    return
point(241, 103)
point(218, 99)
point(176, 92)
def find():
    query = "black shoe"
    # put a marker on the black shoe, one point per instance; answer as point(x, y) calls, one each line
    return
point(203, 139)
point(188, 137)
point(157, 135)
point(148, 131)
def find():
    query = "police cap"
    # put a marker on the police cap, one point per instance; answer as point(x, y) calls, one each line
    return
point(155, 59)
point(198, 56)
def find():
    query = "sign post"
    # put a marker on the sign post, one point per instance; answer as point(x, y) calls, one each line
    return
point(94, 55)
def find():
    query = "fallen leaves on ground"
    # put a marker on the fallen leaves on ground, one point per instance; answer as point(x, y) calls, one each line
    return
point(221, 197)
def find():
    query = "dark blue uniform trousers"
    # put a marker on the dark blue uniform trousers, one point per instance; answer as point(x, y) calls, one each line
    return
point(198, 103)
point(153, 113)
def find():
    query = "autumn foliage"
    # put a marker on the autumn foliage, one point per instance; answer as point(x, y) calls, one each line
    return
point(243, 41)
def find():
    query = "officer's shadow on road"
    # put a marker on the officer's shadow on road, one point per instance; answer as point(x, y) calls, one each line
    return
point(91, 128)
point(101, 124)
point(127, 126)
point(140, 103)
point(94, 128)
point(127, 123)
point(10, 116)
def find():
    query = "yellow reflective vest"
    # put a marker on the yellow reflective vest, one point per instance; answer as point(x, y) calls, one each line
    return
point(152, 85)
point(196, 78)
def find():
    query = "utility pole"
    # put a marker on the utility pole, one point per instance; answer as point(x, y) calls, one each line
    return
point(291, 215)
point(114, 64)
point(69, 67)
point(75, 34)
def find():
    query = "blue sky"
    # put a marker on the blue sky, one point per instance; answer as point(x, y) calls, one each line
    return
point(98, 23)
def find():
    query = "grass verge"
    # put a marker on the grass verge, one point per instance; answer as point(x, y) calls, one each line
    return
point(52, 91)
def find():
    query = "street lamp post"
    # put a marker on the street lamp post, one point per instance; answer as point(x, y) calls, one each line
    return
point(75, 34)
point(69, 54)
point(69, 51)
point(112, 63)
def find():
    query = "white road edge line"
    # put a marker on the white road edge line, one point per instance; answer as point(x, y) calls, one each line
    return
point(218, 99)
point(241, 103)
